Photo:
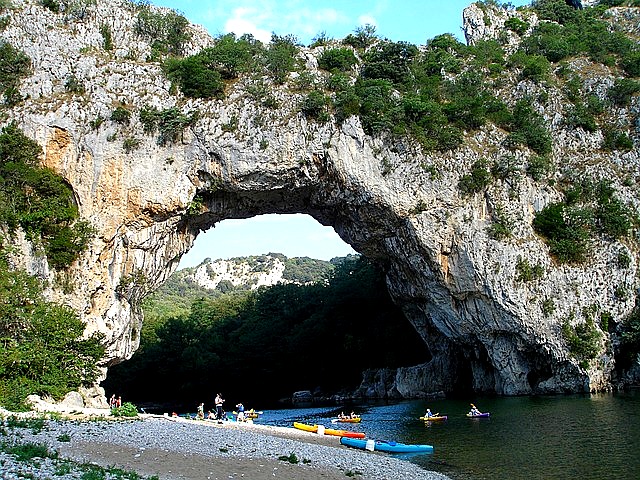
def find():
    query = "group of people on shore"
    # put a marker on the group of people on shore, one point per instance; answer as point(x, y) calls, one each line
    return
point(219, 413)
point(115, 402)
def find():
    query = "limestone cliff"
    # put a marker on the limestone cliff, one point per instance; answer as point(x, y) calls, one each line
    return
point(383, 195)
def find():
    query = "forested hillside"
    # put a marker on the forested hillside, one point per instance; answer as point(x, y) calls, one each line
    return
point(262, 345)
point(211, 279)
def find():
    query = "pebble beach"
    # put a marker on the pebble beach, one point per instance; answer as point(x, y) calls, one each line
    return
point(167, 448)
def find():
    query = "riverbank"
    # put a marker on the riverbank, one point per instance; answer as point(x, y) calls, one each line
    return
point(175, 448)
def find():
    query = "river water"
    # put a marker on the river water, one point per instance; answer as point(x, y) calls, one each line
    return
point(543, 437)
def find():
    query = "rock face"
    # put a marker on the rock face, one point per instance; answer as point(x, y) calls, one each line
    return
point(456, 284)
point(249, 272)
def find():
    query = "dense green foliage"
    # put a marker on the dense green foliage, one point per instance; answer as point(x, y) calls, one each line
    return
point(477, 180)
point(583, 340)
point(170, 122)
point(337, 59)
point(266, 344)
point(580, 32)
point(588, 209)
point(175, 297)
point(14, 65)
point(41, 346)
point(167, 32)
point(127, 409)
point(38, 200)
point(437, 93)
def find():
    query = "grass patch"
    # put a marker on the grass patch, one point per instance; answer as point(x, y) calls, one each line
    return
point(291, 458)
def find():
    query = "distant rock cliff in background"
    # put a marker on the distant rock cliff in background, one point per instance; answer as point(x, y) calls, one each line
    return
point(459, 283)
point(255, 271)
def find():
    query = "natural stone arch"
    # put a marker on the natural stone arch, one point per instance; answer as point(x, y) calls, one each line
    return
point(383, 195)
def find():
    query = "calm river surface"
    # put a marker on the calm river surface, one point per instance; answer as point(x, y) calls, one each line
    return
point(549, 437)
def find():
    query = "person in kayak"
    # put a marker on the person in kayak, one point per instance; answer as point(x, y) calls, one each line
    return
point(474, 410)
point(428, 414)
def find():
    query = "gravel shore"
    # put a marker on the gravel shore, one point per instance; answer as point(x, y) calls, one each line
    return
point(175, 448)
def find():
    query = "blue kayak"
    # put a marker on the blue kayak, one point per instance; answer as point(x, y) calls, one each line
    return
point(382, 446)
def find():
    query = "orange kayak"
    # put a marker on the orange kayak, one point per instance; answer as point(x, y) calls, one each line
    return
point(328, 431)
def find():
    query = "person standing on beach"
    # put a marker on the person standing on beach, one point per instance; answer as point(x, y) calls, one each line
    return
point(200, 413)
point(219, 401)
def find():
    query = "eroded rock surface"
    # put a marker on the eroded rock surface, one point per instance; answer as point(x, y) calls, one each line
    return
point(382, 195)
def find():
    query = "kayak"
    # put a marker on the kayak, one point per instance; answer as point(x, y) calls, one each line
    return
point(347, 420)
point(479, 415)
point(328, 431)
point(383, 446)
point(434, 418)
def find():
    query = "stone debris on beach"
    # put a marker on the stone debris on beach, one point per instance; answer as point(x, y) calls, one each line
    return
point(155, 445)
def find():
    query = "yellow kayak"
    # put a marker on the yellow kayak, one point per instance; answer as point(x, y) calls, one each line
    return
point(347, 420)
point(434, 418)
point(328, 431)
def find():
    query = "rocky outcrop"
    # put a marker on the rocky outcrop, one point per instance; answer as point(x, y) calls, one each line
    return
point(393, 203)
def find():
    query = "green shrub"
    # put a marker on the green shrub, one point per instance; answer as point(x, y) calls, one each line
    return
point(170, 122)
point(616, 140)
point(52, 5)
point(231, 56)
point(379, 109)
point(583, 340)
point(167, 32)
point(532, 67)
point(538, 167)
point(588, 209)
point(126, 410)
point(548, 306)
point(280, 57)
point(129, 144)
point(622, 90)
point(630, 63)
point(525, 272)
point(14, 65)
point(194, 77)
point(121, 115)
point(107, 38)
point(579, 116)
point(549, 40)
point(517, 25)
point(567, 236)
point(39, 201)
point(488, 53)
point(530, 128)
point(337, 59)
point(346, 103)
point(73, 85)
point(43, 350)
point(362, 37)
point(389, 61)
point(320, 40)
point(501, 227)
point(28, 451)
point(314, 106)
point(477, 180)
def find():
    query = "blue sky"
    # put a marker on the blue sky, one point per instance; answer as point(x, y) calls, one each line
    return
point(414, 21)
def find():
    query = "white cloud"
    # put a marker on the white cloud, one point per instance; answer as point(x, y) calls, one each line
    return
point(243, 20)
point(367, 19)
